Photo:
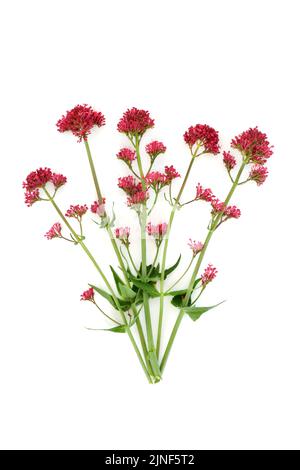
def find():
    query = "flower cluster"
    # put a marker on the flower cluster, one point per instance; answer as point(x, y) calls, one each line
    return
point(137, 198)
point(122, 234)
point(88, 295)
point(259, 174)
point(98, 208)
point(254, 145)
point(54, 232)
point(38, 179)
point(195, 246)
point(229, 212)
point(203, 136)
point(229, 160)
point(77, 211)
point(135, 122)
point(209, 275)
point(203, 194)
point(126, 154)
point(129, 185)
point(158, 180)
point(155, 148)
point(157, 231)
point(80, 121)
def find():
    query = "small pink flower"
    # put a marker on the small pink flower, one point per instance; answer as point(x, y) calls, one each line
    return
point(209, 274)
point(204, 136)
point(155, 179)
point(170, 174)
point(259, 174)
point(80, 121)
point(130, 185)
point(135, 121)
point(137, 198)
point(155, 148)
point(232, 212)
point(195, 246)
point(254, 145)
point(58, 180)
point(229, 160)
point(203, 194)
point(54, 232)
point(217, 206)
point(157, 231)
point(99, 209)
point(77, 211)
point(31, 197)
point(88, 295)
point(122, 234)
point(126, 154)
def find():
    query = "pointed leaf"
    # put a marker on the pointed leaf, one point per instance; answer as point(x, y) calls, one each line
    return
point(104, 294)
point(115, 329)
point(126, 292)
point(172, 268)
point(196, 312)
point(118, 280)
point(146, 287)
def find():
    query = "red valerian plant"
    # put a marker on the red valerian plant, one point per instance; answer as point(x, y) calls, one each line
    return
point(134, 285)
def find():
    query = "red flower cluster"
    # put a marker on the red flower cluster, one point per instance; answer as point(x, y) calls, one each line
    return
point(209, 274)
point(38, 179)
point(229, 160)
point(137, 198)
point(155, 148)
point(254, 145)
point(97, 208)
point(158, 180)
point(157, 231)
point(203, 194)
point(76, 211)
point(171, 174)
point(122, 234)
point(259, 174)
point(230, 212)
point(135, 121)
point(88, 295)
point(126, 154)
point(203, 135)
point(80, 121)
point(130, 185)
point(54, 232)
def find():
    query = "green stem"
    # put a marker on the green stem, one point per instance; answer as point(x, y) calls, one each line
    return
point(164, 257)
point(105, 314)
point(115, 246)
point(105, 280)
point(197, 267)
point(143, 222)
point(182, 276)
point(131, 259)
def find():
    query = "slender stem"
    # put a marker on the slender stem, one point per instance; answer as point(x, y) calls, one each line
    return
point(182, 276)
point(164, 257)
point(131, 259)
point(105, 314)
point(114, 244)
point(154, 202)
point(105, 280)
point(197, 267)
point(143, 223)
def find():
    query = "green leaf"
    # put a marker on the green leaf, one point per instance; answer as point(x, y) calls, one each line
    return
point(172, 268)
point(196, 312)
point(177, 301)
point(126, 292)
point(118, 280)
point(146, 287)
point(104, 294)
point(115, 329)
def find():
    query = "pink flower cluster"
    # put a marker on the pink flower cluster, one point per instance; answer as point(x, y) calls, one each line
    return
point(209, 275)
point(259, 174)
point(54, 232)
point(126, 155)
point(254, 145)
point(203, 194)
point(195, 246)
point(229, 160)
point(135, 122)
point(98, 208)
point(155, 148)
point(80, 121)
point(38, 179)
point(229, 211)
point(157, 231)
point(158, 180)
point(77, 211)
point(88, 295)
point(129, 185)
point(137, 198)
point(203, 136)
point(122, 234)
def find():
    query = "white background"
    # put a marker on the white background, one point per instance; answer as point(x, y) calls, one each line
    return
point(232, 381)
